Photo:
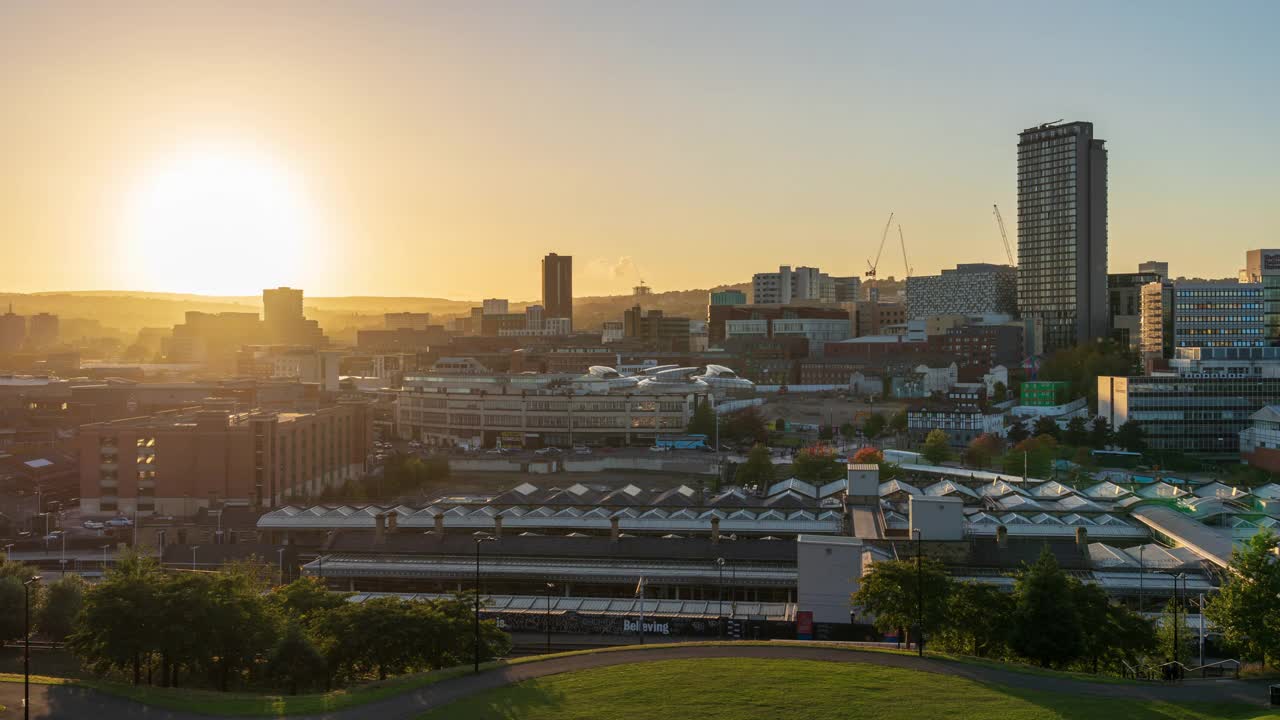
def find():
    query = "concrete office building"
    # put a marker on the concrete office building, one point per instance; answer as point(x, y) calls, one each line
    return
point(1062, 232)
point(495, 306)
point(1263, 267)
point(818, 331)
point(656, 330)
point(970, 289)
point(42, 331)
point(848, 288)
point(284, 322)
point(406, 321)
point(1156, 323)
point(727, 297)
point(1155, 267)
point(557, 287)
point(1218, 314)
point(874, 317)
point(173, 463)
point(1124, 306)
point(13, 331)
point(787, 285)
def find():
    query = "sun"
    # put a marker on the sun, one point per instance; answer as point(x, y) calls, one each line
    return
point(218, 219)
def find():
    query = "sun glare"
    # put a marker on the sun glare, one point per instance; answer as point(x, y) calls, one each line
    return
point(220, 220)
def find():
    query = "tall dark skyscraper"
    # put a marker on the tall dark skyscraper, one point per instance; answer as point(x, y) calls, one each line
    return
point(557, 287)
point(1062, 233)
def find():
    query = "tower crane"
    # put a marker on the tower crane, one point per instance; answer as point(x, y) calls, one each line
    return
point(905, 264)
point(1008, 251)
point(871, 266)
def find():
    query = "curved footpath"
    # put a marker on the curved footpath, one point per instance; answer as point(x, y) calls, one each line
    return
point(69, 701)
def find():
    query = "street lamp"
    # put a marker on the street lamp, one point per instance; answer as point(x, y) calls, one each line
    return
point(720, 596)
point(105, 548)
point(26, 647)
point(280, 563)
point(8, 552)
point(919, 593)
point(550, 587)
point(194, 548)
point(476, 624)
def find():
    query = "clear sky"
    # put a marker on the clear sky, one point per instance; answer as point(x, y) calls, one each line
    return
point(441, 148)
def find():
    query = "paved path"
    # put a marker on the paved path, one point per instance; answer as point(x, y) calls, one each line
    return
point(53, 701)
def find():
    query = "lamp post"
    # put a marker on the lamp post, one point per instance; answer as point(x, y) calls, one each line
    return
point(1141, 571)
point(476, 623)
point(919, 593)
point(720, 596)
point(320, 559)
point(26, 647)
point(194, 548)
point(280, 563)
point(550, 587)
point(105, 548)
point(8, 552)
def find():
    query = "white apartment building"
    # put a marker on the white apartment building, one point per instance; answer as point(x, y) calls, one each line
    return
point(787, 285)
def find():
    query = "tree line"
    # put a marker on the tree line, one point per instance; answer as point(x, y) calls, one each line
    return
point(231, 628)
point(1049, 619)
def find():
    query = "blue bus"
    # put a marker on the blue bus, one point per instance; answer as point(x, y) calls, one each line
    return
point(681, 442)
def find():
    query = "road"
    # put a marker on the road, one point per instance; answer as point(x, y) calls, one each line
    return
point(72, 702)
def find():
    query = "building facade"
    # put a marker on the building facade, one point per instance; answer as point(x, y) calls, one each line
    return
point(970, 289)
point(817, 331)
point(727, 297)
point(557, 287)
point(1218, 314)
point(787, 285)
point(656, 330)
point(406, 321)
point(174, 463)
point(1156, 323)
point(1062, 232)
point(1263, 267)
point(1124, 305)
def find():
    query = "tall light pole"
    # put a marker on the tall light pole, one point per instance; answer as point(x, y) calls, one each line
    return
point(26, 648)
point(1141, 571)
point(194, 548)
point(720, 596)
point(8, 552)
point(476, 623)
point(550, 587)
point(919, 593)
point(105, 548)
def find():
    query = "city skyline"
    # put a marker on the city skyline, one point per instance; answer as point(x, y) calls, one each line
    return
point(441, 152)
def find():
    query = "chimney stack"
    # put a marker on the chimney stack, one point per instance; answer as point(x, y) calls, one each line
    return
point(379, 528)
point(614, 531)
point(393, 518)
point(1082, 538)
point(1002, 536)
point(715, 529)
point(497, 526)
point(440, 526)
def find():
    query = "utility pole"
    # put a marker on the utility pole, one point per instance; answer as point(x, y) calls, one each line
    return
point(919, 592)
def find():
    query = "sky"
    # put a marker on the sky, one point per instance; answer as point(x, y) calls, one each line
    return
point(442, 148)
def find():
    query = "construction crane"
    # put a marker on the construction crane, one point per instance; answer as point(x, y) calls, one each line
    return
point(1008, 251)
point(871, 266)
point(905, 264)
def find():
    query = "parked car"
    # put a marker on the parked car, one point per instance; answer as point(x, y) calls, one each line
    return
point(582, 450)
point(53, 536)
point(119, 522)
point(547, 451)
point(659, 448)
point(93, 525)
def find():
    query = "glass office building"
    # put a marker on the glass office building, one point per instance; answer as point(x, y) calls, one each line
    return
point(1220, 314)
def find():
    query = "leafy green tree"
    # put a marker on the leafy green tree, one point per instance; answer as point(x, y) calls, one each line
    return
point(1174, 645)
point(826, 433)
point(1076, 434)
point(1247, 607)
point(898, 422)
point(1081, 365)
point(304, 600)
point(1046, 426)
point(977, 619)
point(1017, 433)
point(937, 447)
point(12, 607)
point(847, 430)
point(1099, 433)
point(890, 592)
point(117, 625)
point(1110, 633)
point(1045, 626)
point(238, 627)
point(1131, 437)
point(780, 425)
point(999, 392)
point(703, 421)
point(296, 663)
point(757, 470)
point(1035, 454)
point(746, 425)
point(982, 450)
point(817, 464)
point(874, 425)
point(62, 604)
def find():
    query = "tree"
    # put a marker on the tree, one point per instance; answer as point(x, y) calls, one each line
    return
point(937, 447)
point(117, 625)
point(1045, 626)
point(746, 425)
point(295, 662)
point(817, 464)
point(1247, 608)
point(304, 600)
point(982, 450)
point(1099, 433)
point(12, 600)
point(1110, 633)
point(1081, 365)
point(1017, 433)
point(977, 619)
point(1077, 433)
point(1131, 437)
point(703, 421)
point(874, 425)
point(1035, 455)
point(898, 422)
point(780, 425)
point(62, 604)
point(1174, 645)
point(868, 456)
point(757, 470)
point(890, 592)
point(999, 392)
point(826, 433)
point(1045, 426)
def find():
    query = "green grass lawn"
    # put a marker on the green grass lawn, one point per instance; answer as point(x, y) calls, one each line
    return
point(756, 689)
